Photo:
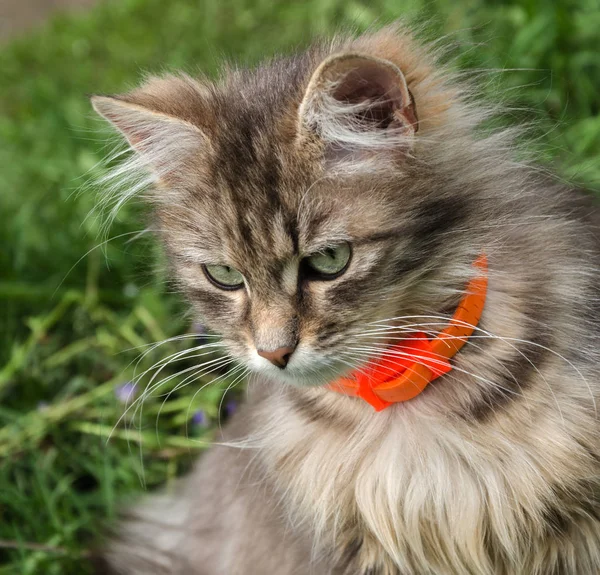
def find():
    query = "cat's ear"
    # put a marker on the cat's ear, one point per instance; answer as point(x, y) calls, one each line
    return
point(359, 105)
point(158, 122)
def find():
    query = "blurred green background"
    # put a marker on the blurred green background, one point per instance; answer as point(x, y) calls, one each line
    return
point(76, 313)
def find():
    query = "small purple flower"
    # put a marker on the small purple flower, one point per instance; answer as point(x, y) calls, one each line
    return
point(201, 333)
point(198, 328)
point(200, 419)
point(125, 391)
point(231, 407)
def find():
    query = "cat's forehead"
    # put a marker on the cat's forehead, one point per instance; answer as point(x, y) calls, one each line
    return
point(256, 221)
point(259, 195)
point(264, 217)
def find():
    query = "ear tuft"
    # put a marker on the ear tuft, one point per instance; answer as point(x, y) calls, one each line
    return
point(358, 103)
point(164, 145)
point(144, 128)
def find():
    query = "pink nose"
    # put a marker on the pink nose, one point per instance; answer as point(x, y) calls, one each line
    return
point(278, 357)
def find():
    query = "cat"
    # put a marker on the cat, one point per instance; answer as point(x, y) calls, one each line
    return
point(315, 210)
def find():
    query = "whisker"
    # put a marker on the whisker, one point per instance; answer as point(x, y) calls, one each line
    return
point(241, 376)
point(148, 391)
point(153, 386)
point(428, 358)
point(180, 355)
point(101, 244)
point(508, 341)
point(187, 381)
point(216, 380)
point(150, 388)
point(181, 337)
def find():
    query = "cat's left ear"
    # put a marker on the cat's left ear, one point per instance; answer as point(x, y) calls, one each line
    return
point(359, 105)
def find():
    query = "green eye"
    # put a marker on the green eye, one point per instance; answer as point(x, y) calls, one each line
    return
point(224, 277)
point(331, 262)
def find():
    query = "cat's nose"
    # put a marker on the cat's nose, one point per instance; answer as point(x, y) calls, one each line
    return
point(278, 357)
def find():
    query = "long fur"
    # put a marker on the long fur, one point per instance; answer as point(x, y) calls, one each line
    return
point(494, 468)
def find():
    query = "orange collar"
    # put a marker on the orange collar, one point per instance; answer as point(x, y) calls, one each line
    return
point(405, 369)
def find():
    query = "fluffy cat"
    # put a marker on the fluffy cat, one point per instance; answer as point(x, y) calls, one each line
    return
point(315, 209)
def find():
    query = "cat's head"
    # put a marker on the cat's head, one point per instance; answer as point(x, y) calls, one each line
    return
point(304, 204)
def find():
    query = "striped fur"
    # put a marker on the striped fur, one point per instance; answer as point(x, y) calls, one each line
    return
point(494, 469)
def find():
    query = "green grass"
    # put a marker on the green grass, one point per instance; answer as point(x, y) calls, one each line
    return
point(74, 316)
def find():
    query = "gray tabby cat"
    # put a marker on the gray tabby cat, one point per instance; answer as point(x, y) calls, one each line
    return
point(315, 209)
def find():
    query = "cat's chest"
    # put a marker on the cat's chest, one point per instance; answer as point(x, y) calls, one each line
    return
point(391, 499)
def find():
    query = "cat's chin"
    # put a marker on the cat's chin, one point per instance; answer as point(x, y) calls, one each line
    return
point(302, 379)
point(315, 376)
point(306, 368)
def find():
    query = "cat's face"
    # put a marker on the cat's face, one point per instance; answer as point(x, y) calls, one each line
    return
point(306, 266)
point(294, 212)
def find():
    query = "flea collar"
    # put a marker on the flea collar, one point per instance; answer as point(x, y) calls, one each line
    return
point(404, 369)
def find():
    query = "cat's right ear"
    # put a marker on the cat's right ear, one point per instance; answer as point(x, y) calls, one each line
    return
point(158, 122)
point(358, 106)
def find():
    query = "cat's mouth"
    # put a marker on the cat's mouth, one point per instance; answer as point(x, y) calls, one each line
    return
point(402, 370)
point(305, 368)
point(319, 375)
